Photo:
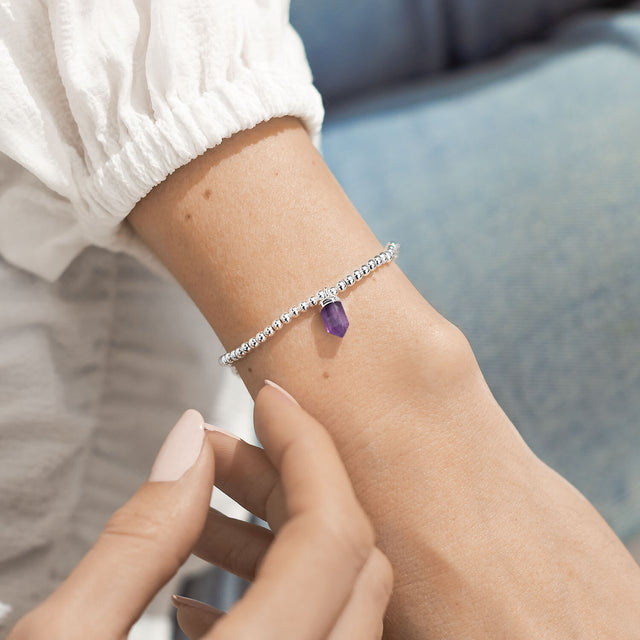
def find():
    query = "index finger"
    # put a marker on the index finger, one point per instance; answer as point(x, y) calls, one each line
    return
point(308, 574)
point(302, 452)
point(251, 475)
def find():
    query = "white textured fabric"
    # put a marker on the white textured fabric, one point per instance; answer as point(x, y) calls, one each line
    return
point(95, 368)
point(100, 101)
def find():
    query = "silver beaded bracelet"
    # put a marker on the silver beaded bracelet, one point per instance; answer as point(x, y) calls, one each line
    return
point(332, 312)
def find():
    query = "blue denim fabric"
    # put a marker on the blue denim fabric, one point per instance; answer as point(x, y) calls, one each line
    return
point(363, 44)
point(514, 190)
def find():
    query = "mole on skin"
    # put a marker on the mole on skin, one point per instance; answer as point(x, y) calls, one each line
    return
point(325, 374)
point(207, 194)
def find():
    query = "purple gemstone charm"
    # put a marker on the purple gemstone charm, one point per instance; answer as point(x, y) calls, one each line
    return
point(334, 317)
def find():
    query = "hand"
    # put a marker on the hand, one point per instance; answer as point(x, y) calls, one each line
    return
point(318, 575)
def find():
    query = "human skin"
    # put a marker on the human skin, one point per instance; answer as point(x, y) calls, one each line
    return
point(485, 539)
point(317, 528)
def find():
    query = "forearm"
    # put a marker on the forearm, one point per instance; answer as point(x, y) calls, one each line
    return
point(254, 226)
point(257, 224)
point(251, 228)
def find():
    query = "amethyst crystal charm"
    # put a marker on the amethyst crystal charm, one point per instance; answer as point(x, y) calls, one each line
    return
point(334, 317)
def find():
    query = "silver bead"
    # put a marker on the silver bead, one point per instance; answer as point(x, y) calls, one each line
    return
point(253, 343)
point(276, 324)
point(285, 317)
point(372, 264)
point(303, 306)
point(244, 348)
point(313, 301)
point(349, 279)
point(342, 285)
point(321, 295)
point(357, 274)
point(365, 269)
point(294, 312)
point(378, 260)
point(389, 255)
point(333, 292)
point(268, 331)
point(260, 337)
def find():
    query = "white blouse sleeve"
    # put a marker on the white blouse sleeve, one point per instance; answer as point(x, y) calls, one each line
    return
point(101, 100)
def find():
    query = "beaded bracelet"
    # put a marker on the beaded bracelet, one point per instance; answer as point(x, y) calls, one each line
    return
point(332, 312)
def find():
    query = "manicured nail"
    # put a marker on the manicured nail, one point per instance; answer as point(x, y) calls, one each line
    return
point(180, 449)
point(210, 427)
point(286, 394)
point(181, 601)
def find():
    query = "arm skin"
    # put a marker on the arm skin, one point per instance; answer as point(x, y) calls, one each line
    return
point(486, 540)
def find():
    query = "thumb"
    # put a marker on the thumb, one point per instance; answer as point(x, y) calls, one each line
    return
point(145, 542)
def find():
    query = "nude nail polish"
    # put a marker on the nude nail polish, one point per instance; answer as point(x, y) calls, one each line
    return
point(286, 394)
point(181, 601)
point(180, 449)
point(210, 427)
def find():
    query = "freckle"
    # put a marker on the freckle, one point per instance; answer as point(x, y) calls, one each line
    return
point(277, 173)
point(188, 216)
point(250, 370)
point(207, 194)
point(325, 375)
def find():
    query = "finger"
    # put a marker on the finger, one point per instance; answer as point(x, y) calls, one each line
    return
point(309, 571)
point(145, 541)
point(244, 473)
point(233, 545)
point(303, 453)
point(362, 618)
point(248, 475)
point(195, 618)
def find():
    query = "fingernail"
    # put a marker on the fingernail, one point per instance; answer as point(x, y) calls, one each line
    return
point(210, 427)
point(180, 449)
point(286, 394)
point(181, 601)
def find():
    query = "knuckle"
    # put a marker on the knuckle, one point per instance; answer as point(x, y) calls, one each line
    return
point(349, 531)
point(244, 559)
point(132, 523)
point(381, 583)
point(147, 529)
